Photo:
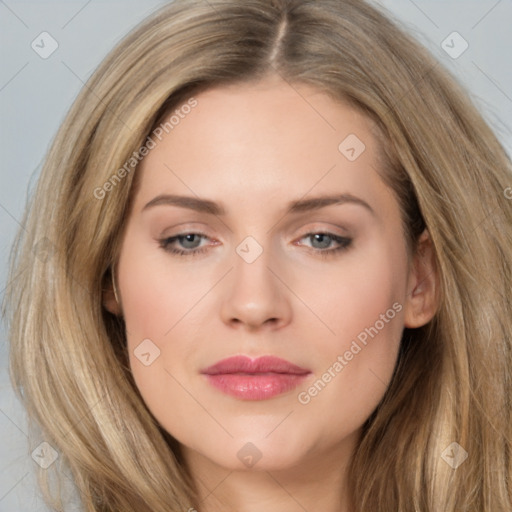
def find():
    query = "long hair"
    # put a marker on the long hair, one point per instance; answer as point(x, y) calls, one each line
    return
point(453, 378)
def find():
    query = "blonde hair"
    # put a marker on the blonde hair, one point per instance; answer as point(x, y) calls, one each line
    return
point(453, 379)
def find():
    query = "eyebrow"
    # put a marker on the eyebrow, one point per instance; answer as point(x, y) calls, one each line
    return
point(297, 206)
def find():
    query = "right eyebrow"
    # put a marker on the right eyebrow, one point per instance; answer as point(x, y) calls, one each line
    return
point(192, 203)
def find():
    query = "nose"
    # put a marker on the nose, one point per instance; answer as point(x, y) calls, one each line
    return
point(254, 297)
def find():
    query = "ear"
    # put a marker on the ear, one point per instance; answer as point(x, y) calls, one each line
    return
point(110, 300)
point(422, 285)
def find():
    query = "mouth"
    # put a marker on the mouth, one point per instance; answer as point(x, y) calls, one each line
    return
point(255, 379)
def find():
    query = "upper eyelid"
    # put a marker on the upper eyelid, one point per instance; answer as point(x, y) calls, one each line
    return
point(338, 226)
point(188, 229)
point(305, 235)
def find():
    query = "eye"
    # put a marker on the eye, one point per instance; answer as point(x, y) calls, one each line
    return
point(189, 244)
point(184, 244)
point(323, 242)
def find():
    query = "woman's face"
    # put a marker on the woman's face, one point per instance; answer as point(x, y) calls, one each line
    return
point(262, 229)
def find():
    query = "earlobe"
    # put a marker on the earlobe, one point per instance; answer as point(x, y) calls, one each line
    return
point(110, 303)
point(111, 297)
point(422, 300)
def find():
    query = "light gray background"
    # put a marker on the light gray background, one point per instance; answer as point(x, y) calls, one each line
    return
point(35, 94)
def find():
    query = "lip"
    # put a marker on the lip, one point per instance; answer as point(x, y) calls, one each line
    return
point(255, 379)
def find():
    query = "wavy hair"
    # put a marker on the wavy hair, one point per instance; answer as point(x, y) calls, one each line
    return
point(453, 378)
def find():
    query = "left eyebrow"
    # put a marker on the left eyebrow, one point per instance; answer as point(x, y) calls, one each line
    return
point(315, 203)
point(298, 206)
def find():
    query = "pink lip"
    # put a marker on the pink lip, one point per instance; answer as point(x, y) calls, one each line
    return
point(255, 379)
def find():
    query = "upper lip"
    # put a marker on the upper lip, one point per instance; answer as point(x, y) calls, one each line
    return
point(263, 364)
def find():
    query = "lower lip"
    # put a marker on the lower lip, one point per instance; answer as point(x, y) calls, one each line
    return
point(255, 386)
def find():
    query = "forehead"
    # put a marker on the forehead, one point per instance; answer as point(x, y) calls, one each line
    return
point(268, 139)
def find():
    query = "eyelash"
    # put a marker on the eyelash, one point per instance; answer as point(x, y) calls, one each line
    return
point(344, 244)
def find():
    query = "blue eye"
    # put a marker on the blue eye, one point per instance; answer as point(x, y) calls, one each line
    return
point(189, 244)
point(188, 241)
point(322, 242)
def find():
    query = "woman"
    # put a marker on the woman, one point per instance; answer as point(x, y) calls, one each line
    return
point(267, 267)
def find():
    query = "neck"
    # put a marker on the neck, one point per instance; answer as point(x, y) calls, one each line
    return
point(316, 483)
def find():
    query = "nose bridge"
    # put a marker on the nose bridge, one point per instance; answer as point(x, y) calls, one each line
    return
point(254, 295)
point(252, 280)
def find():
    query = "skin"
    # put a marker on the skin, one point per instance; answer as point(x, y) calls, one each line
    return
point(253, 149)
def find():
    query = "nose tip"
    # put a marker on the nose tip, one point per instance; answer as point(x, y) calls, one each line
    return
point(254, 319)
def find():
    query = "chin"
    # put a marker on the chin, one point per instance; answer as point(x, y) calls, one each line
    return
point(256, 454)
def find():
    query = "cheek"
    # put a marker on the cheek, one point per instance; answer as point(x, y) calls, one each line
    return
point(162, 308)
point(352, 294)
point(157, 291)
point(363, 308)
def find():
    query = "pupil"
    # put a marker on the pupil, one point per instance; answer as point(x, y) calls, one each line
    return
point(324, 240)
point(189, 241)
